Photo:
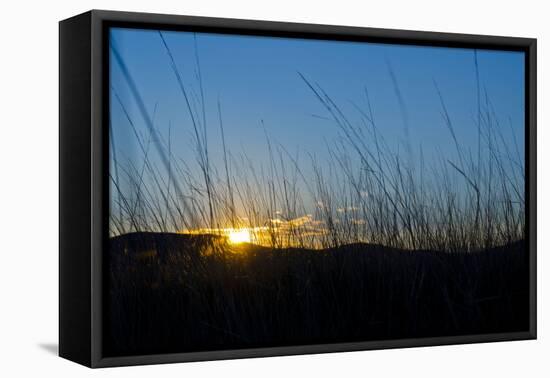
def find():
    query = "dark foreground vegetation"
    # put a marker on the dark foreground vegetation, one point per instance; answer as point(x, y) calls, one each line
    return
point(174, 293)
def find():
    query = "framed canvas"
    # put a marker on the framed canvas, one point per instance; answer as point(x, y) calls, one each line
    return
point(234, 188)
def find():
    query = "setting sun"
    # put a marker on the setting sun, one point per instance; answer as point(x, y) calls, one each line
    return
point(239, 236)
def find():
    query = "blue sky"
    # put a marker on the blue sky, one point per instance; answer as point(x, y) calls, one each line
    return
point(256, 80)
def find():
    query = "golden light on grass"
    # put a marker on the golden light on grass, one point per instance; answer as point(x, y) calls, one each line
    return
point(303, 232)
point(239, 236)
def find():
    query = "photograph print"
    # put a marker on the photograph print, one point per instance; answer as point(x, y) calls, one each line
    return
point(273, 192)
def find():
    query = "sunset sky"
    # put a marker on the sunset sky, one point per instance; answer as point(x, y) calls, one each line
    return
point(257, 82)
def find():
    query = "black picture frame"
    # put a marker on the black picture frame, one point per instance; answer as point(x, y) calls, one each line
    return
point(83, 195)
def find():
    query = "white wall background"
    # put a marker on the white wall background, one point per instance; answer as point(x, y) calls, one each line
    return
point(29, 187)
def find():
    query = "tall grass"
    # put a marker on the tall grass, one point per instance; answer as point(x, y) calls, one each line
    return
point(175, 288)
point(367, 191)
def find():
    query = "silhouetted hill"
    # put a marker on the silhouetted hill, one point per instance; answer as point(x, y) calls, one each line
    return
point(174, 292)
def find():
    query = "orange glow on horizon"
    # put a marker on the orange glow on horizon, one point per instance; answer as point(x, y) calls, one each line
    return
point(303, 232)
point(239, 236)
